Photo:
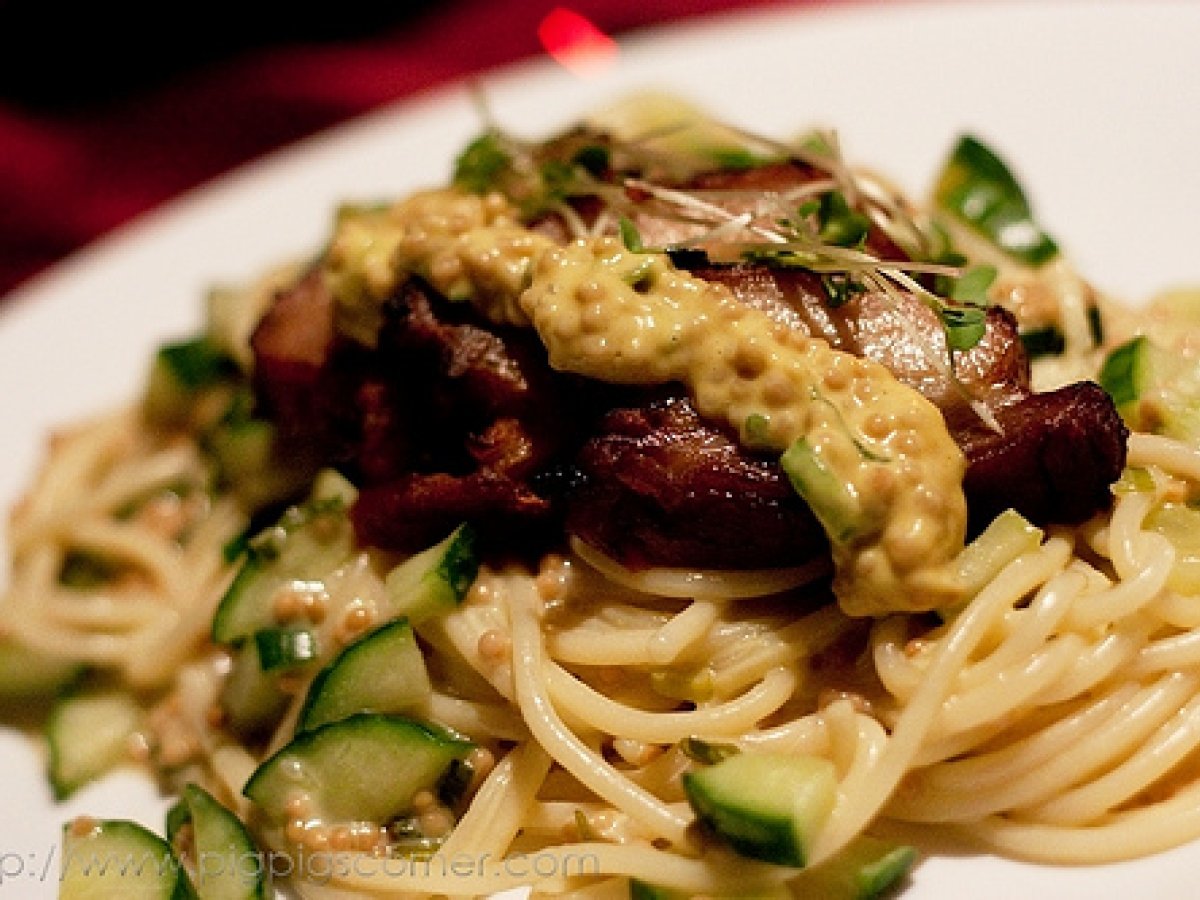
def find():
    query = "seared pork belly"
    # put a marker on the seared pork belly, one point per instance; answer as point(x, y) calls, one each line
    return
point(660, 486)
point(1053, 460)
point(1051, 456)
point(450, 417)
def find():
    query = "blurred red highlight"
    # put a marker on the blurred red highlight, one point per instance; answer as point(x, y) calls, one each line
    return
point(575, 43)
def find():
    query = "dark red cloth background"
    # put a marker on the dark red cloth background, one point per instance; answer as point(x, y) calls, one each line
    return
point(116, 121)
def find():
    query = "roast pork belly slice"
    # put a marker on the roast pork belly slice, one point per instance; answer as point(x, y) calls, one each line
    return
point(1053, 460)
point(292, 346)
point(898, 330)
point(417, 510)
point(660, 486)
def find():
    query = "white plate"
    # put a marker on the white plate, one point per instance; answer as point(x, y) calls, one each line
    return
point(1097, 106)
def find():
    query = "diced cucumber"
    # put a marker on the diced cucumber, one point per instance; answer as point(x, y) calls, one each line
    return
point(766, 806)
point(364, 768)
point(1006, 537)
point(1180, 524)
point(979, 189)
point(249, 456)
point(1155, 389)
point(308, 542)
point(252, 700)
point(434, 581)
point(29, 676)
point(89, 734)
point(232, 312)
point(866, 869)
point(178, 372)
point(216, 848)
point(383, 671)
point(1127, 372)
point(117, 859)
point(243, 449)
point(831, 501)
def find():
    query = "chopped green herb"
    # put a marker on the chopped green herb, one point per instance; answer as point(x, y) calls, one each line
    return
point(972, 286)
point(817, 143)
point(782, 257)
point(460, 564)
point(833, 502)
point(804, 210)
point(1134, 480)
point(1050, 341)
point(840, 288)
point(841, 225)
point(285, 648)
point(965, 316)
point(965, 326)
point(707, 752)
point(236, 545)
point(557, 178)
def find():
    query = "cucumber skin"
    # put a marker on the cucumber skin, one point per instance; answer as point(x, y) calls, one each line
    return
point(327, 695)
point(435, 580)
point(244, 609)
point(766, 827)
point(979, 189)
point(270, 782)
point(29, 676)
point(68, 769)
point(211, 818)
point(867, 868)
point(252, 699)
point(112, 843)
point(756, 837)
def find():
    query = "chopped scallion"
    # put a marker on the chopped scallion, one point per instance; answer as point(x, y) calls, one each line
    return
point(707, 752)
point(630, 236)
point(285, 648)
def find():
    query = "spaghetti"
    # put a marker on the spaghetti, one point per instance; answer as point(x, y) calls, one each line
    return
point(1051, 714)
